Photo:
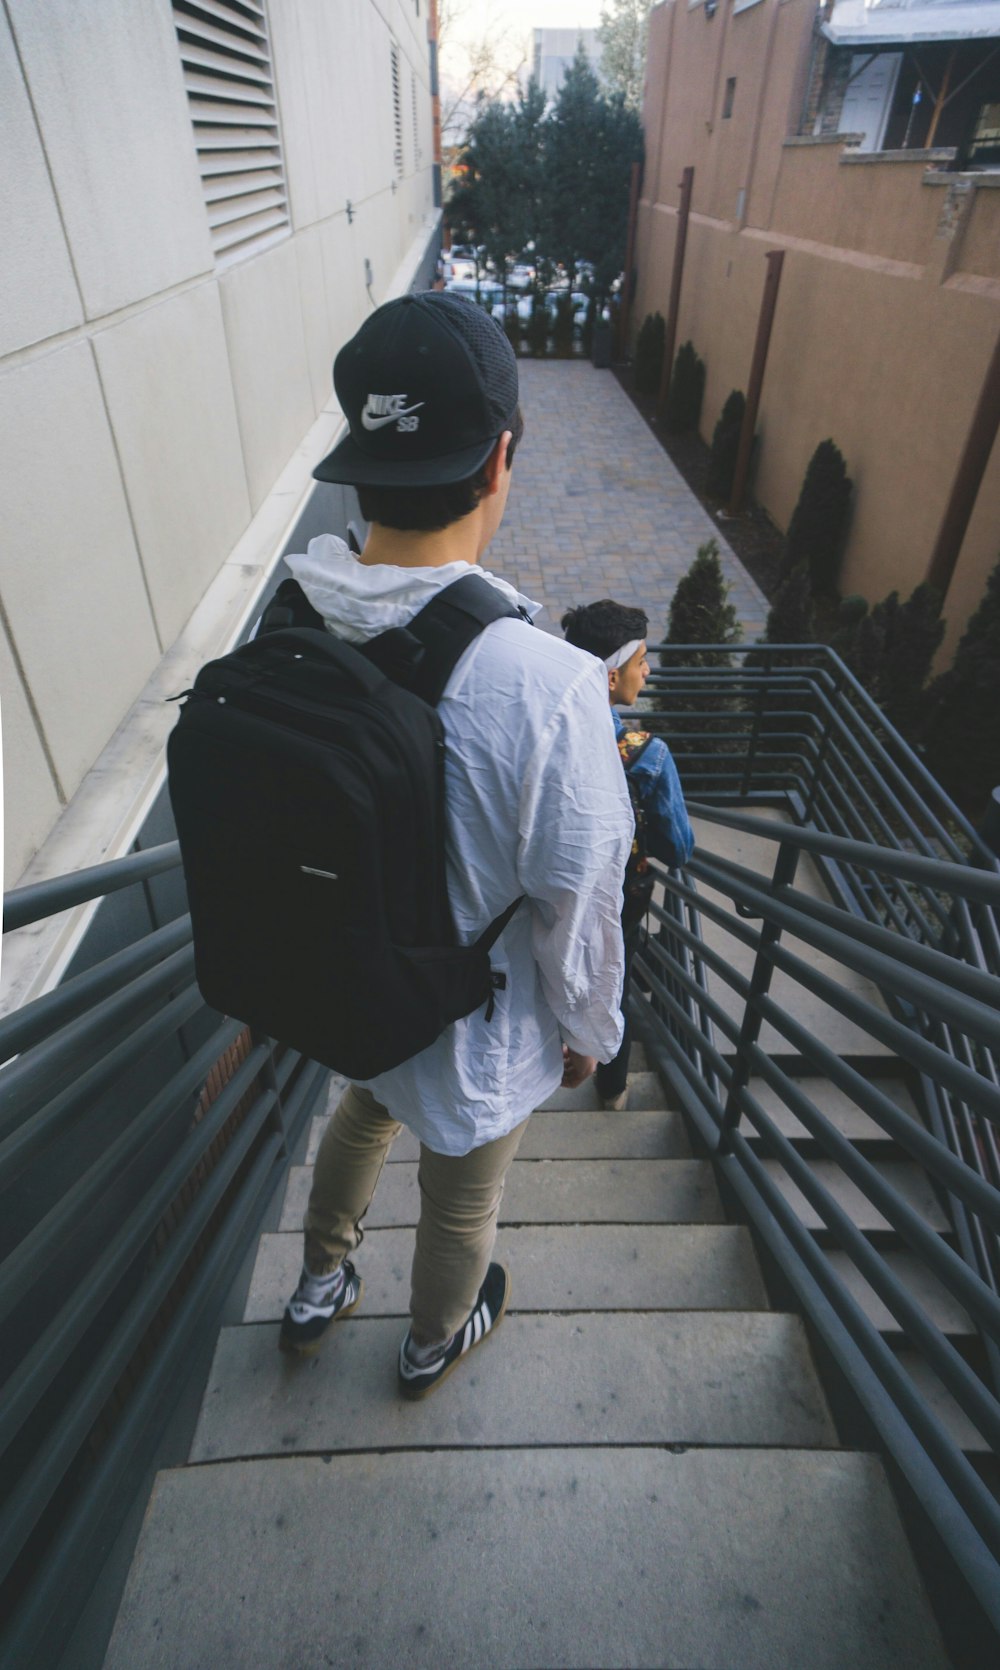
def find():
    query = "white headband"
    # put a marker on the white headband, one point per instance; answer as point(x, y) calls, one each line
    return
point(613, 662)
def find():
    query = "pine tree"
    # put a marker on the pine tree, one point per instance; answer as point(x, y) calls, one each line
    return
point(791, 619)
point(701, 613)
point(591, 142)
point(851, 611)
point(894, 648)
point(819, 520)
point(538, 328)
point(649, 347)
point(623, 35)
point(687, 389)
point(962, 725)
point(725, 446)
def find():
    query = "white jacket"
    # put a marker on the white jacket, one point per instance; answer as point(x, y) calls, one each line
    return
point(536, 804)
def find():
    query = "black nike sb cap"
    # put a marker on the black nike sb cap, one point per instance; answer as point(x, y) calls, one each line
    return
point(427, 385)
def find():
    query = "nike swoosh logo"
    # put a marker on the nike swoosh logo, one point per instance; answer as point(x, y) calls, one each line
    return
point(369, 422)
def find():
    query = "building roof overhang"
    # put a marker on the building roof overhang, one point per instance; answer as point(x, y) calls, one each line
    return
point(855, 23)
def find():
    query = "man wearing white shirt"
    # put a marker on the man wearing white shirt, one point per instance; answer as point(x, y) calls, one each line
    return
point(535, 806)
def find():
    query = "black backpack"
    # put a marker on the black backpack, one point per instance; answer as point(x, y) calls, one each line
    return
point(307, 782)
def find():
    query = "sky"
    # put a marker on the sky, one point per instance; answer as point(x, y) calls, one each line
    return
point(509, 24)
point(525, 15)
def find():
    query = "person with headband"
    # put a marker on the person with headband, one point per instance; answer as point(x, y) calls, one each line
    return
point(616, 634)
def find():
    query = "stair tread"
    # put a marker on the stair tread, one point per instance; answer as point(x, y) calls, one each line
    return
point(906, 1178)
point(570, 1134)
point(951, 1414)
point(553, 1191)
point(660, 1377)
point(834, 1104)
point(819, 1018)
point(797, 1547)
point(563, 1267)
point(944, 1310)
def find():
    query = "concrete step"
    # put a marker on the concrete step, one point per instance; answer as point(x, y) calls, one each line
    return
point(906, 1178)
point(552, 1191)
point(564, 1267)
point(819, 1018)
point(603, 1557)
point(943, 1309)
point(659, 1377)
point(835, 1105)
point(951, 1414)
point(569, 1135)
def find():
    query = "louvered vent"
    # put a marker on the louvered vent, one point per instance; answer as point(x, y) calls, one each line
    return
point(397, 114)
point(416, 125)
point(226, 56)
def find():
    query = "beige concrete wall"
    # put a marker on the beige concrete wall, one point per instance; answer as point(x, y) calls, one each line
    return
point(150, 398)
point(889, 305)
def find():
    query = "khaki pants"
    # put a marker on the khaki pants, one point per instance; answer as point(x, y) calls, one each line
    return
point(459, 1200)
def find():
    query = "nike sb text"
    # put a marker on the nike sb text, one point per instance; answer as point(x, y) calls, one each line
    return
point(380, 409)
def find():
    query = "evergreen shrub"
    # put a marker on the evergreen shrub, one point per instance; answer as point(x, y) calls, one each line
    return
point(725, 446)
point(851, 611)
point(895, 646)
point(701, 613)
point(819, 521)
point(682, 410)
point(649, 349)
point(962, 710)
point(538, 329)
point(562, 330)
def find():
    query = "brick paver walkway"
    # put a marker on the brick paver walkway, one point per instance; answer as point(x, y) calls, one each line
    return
point(596, 507)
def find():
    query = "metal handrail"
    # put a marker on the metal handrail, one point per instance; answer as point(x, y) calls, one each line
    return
point(831, 683)
point(933, 998)
point(150, 1173)
point(41, 899)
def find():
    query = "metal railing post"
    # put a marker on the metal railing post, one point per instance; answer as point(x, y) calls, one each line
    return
point(760, 983)
point(824, 748)
point(758, 716)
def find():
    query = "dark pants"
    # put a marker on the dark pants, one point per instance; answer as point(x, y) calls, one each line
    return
point(611, 1078)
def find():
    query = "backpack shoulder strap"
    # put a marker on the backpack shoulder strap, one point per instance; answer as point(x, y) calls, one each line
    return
point(289, 607)
point(632, 745)
point(422, 656)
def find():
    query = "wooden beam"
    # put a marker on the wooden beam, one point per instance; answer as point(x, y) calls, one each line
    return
point(968, 479)
point(775, 259)
point(673, 308)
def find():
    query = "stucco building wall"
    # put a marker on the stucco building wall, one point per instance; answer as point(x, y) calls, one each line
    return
point(150, 394)
point(889, 306)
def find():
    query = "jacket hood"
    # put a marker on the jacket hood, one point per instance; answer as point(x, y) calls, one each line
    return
point(359, 600)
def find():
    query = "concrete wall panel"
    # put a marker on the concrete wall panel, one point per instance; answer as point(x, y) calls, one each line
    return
point(31, 804)
point(291, 41)
point(36, 275)
point(343, 278)
point(315, 315)
point(262, 309)
point(71, 581)
point(167, 382)
point(107, 87)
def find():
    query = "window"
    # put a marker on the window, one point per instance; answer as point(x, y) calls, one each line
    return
point(416, 122)
point(397, 113)
point(727, 102)
point(226, 59)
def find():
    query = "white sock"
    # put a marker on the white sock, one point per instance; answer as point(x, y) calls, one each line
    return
point(421, 1355)
point(321, 1289)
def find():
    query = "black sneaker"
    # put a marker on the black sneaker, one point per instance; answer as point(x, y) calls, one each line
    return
point(416, 1380)
point(310, 1310)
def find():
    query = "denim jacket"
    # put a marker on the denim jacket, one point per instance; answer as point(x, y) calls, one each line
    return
point(669, 836)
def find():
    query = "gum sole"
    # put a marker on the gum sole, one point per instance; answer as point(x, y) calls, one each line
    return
point(414, 1394)
point(310, 1348)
